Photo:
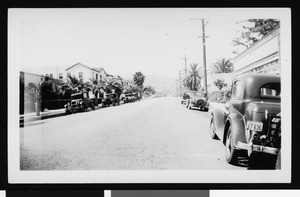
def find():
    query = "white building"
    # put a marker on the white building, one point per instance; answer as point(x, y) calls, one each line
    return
point(50, 71)
point(86, 73)
point(262, 57)
point(78, 70)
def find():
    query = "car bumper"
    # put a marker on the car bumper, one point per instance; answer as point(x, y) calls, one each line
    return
point(257, 148)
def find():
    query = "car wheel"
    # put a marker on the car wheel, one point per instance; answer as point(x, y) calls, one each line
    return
point(190, 107)
point(92, 106)
point(278, 161)
point(231, 152)
point(83, 107)
point(212, 130)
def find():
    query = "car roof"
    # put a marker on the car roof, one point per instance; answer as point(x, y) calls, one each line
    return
point(258, 78)
point(253, 82)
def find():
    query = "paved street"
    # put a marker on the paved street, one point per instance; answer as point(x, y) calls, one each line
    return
point(154, 134)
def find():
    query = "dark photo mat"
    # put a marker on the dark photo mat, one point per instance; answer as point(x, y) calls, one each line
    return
point(3, 139)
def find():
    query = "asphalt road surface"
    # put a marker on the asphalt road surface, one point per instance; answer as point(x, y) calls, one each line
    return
point(153, 134)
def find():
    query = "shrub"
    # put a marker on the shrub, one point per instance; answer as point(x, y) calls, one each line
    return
point(219, 96)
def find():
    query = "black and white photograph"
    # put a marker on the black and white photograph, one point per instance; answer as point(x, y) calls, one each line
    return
point(149, 95)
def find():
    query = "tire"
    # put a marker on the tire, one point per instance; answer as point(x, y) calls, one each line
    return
point(190, 107)
point(83, 107)
point(231, 152)
point(262, 161)
point(92, 105)
point(278, 161)
point(212, 130)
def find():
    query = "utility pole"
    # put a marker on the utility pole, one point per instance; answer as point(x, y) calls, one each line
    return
point(180, 83)
point(204, 57)
point(185, 66)
point(204, 54)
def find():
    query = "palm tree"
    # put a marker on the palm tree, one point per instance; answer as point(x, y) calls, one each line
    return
point(130, 86)
point(139, 79)
point(222, 66)
point(76, 84)
point(115, 83)
point(193, 79)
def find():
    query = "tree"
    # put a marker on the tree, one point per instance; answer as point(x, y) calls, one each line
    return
point(219, 83)
point(222, 66)
point(254, 30)
point(139, 79)
point(115, 83)
point(76, 84)
point(193, 79)
point(130, 86)
point(149, 90)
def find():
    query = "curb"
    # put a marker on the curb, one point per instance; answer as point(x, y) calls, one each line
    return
point(40, 117)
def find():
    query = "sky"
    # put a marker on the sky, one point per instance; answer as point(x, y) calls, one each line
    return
point(124, 41)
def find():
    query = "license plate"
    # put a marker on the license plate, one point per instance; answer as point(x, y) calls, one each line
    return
point(254, 126)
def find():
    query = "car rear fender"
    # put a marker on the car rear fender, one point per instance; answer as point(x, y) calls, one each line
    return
point(237, 123)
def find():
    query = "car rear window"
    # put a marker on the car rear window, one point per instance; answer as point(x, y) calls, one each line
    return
point(270, 90)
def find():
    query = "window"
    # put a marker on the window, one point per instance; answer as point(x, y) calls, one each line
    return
point(225, 84)
point(236, 90)
point(97, 76)
point(68, 74)
point(100, 77)
point(270, 90)
point(80, 74)
point(51, 75)
point(60, 76)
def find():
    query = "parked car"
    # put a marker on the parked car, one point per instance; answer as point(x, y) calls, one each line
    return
point(185, 97)
point(198, 100)
point(250, 123)
point(111, 99)
point(79, 102)
point(131, 97)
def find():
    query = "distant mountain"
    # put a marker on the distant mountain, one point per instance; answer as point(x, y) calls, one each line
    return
point(161, 84)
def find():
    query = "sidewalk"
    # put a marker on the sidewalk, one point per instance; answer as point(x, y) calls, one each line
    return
point(216, 105)
point(28, 117)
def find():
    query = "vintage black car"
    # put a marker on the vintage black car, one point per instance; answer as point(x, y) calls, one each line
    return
point(111, 99)
point(250, 123)
point(79, 102)
point(131, 97)
point(198, 100)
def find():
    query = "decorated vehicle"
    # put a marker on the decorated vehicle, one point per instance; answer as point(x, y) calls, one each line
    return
point(111, 99)
point(79, 102)
point(185, 97)
point(250, 123)
point(198, 100)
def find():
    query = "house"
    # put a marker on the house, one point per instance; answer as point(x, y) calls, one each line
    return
point(56, 72)
point(262, 57)
point(78, 70)
point(85, 72)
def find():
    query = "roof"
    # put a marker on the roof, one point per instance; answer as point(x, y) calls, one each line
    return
point(253, 82)
point(263, 39)
point(78, 63)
